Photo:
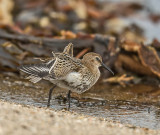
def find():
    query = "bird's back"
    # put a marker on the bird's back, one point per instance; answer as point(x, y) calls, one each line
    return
point(63, 65)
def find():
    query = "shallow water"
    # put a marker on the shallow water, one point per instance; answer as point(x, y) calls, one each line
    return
point(137, 105)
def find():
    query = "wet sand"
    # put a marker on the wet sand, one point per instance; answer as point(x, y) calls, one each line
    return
point(16, 119)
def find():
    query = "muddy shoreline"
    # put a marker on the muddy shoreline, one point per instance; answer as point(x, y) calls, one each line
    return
point(18, 119)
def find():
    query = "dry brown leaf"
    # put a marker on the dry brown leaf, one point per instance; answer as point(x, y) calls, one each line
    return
point(68, 34)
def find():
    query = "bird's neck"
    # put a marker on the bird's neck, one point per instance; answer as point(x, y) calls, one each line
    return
point(92, 67)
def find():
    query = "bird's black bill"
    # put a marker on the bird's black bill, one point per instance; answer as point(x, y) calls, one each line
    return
point(107, 68)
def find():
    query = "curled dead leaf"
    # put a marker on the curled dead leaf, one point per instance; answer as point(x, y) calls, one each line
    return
point(149, 58)
point(145, 59)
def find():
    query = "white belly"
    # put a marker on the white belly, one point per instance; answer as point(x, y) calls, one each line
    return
point(74, 78)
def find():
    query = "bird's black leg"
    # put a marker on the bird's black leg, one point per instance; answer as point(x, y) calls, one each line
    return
point(50, 95)
point(69, 99)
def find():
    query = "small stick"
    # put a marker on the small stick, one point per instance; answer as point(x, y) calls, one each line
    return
point(82, 52)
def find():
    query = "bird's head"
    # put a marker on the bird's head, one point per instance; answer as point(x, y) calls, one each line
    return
point(94, 60)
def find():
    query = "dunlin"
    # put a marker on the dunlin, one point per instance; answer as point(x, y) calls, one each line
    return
point(66, 71)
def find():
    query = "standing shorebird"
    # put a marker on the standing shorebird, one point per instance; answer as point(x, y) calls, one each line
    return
point(66, 71)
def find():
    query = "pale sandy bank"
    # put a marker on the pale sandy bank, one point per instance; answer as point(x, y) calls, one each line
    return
point(28, 120)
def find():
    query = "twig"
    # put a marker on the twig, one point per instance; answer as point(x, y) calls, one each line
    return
point(82, 52)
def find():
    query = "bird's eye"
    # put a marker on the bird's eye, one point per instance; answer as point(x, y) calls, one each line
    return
point(97, 59)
